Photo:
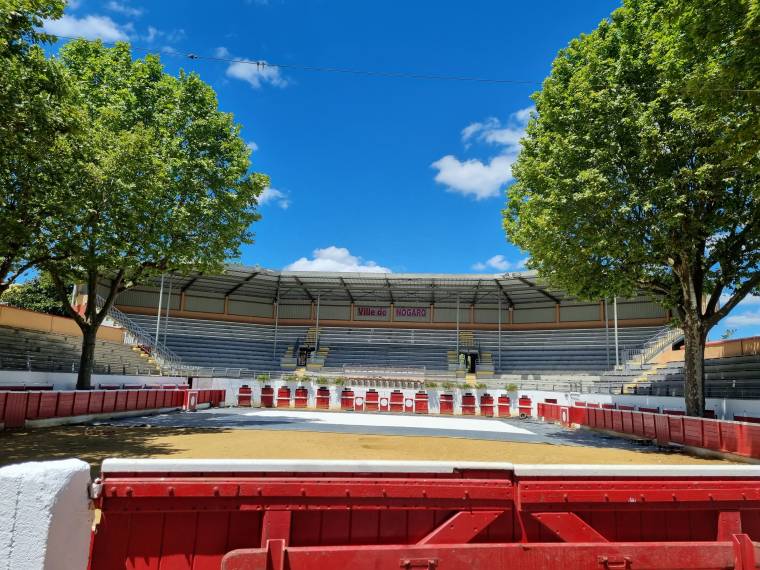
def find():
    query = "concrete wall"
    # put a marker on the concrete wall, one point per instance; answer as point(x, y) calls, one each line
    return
point(45, 515)
point(30, 320)
point(68, 381)
point(724, 408)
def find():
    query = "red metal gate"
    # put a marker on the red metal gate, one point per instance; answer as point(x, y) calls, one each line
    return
point(299, 515)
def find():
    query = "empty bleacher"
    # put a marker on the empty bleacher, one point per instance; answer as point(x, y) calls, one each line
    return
point(560, 350)
point(222, 344)
point(731, 377)
point(22, 349)
point(225, 345)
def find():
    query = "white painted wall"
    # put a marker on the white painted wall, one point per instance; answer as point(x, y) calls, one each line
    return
point(724, 408)
point(45, 515)
point(68, 381)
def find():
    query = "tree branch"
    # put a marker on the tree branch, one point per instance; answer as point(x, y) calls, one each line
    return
point(109, 300)
point(740, 293)
point(63, 296)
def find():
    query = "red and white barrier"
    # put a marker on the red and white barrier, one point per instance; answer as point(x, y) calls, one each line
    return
point(45, 515)
point(44, 409)
point(313, 515)
point(737, 438)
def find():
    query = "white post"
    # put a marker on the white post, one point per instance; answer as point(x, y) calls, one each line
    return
point(168, 306)
point(499, 333)
point(617, 352)
point(457, 330)
point(158, 313)
point(607, 332)
point(276, 319)
point(316, 328)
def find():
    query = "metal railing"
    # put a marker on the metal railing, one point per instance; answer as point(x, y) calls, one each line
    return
point(167, 360)
point(639, 356)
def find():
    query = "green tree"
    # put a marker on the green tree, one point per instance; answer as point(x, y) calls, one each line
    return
point(639, 170)
point(37, 117)
point(38, 294)
point(162, 185)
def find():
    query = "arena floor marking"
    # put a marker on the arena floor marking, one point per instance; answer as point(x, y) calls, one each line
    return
point(394, 421)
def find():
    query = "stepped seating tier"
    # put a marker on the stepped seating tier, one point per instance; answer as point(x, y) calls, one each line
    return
point(22, 349)
point(731, 377)
point(208, 343)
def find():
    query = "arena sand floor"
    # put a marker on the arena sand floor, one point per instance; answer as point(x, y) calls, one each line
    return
point(234, 433)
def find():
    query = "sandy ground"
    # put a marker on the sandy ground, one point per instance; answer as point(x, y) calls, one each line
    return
point(95, 443)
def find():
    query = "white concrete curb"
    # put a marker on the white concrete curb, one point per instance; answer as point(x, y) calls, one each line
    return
point(45, 515)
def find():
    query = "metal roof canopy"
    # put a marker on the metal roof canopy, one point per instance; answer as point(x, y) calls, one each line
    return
point(514, 289)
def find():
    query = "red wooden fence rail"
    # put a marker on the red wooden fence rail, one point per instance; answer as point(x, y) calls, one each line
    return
point(739, 438)
point(18, 407)
point(319, 515)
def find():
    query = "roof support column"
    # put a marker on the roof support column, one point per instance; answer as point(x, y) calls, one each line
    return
point(498, 335)
point(168, 305)
point(457, 327)
point(607, 332)
point(276, 323)
point(316, 331)
point(617, 348)
point(158, 312)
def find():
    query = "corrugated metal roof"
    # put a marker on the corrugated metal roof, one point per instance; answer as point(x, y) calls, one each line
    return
point(513, 289)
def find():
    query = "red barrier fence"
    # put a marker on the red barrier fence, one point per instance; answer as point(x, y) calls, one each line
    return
point(739, 438)
point(18, 407)
point(309, 515)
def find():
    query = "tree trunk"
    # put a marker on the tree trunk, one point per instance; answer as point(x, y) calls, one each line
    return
point(694, 335)
point(87, 359)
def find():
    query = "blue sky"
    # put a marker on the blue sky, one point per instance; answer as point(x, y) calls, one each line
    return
point(369, 173)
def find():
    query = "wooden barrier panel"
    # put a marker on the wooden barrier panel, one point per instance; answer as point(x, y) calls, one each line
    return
point(96, 402)
point(716, 435)
point(81, 403)
point(48, 405)
point(662, 429)
point(33, 405)
point(65, 404)
point(314, 515)
point(15, 409)
point(109, 401)
point(676, 429)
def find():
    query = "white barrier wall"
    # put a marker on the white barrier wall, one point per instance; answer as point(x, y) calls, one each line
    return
point(68, 381)
point(724, 408)
point(45, 515)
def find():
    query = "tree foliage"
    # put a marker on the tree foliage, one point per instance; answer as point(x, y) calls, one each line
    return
point(640, 170)
point(37, 294)
point(38, 118)
point(162, 184)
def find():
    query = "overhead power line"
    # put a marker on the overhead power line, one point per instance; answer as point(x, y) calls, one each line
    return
point(320, 69)
point(350, 71)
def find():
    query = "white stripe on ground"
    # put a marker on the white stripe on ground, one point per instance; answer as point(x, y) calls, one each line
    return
point(382, 420)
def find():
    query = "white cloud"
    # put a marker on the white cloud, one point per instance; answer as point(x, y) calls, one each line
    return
point(221, 52)
point(500, 263)
point(748, 300)
point(474, 177)
point(747, 319)
point(272, 195)
point(256, 74)
point(478, 178)
point(252, 146)
point(73, 4)
point(335, 259)
point(154, 34)
point(89, 27)
point(125, 9)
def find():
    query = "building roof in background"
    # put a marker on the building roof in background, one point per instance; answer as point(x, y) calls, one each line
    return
point(514, 289)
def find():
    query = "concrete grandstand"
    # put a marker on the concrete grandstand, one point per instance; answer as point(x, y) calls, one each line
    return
point(476, 326)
